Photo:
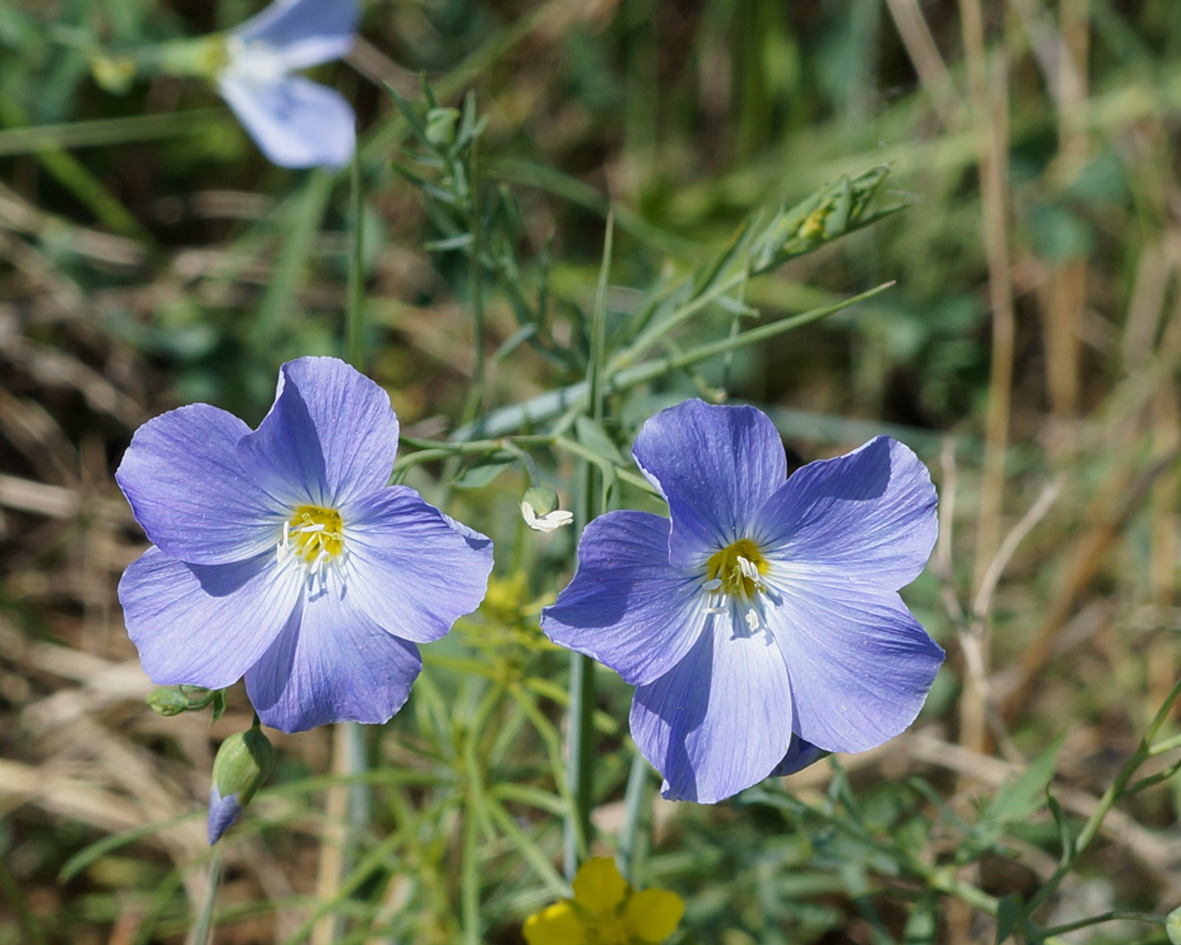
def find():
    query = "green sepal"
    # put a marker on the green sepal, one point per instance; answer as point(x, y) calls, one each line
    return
point(243, 763)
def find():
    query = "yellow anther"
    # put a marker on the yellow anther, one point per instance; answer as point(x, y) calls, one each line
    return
point(737, 570)
point(314, 535)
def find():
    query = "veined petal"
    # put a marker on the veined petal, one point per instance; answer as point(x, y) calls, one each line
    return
point(720, 720)
point(652, 915)
point(627, 607)
point(800, 754)
point(598, 887)
point(555, 925)
point(204, 624)
point(191, 493)
point(412, 570)
point(329, 437)
point(303, 33)
point(860, 664)
point(869, 516)
point(295, 122)
point(331, 664)
point(715, 465)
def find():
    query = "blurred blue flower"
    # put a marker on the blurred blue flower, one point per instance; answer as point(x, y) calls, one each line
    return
point(762, 624)
point(282, 555)
point(295, 122)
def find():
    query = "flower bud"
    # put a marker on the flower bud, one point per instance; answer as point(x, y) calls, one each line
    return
point(539, 507)
point(242, 764)
point(1173, 926)
point(440, 126)
point(168, 701)
point(113, 73)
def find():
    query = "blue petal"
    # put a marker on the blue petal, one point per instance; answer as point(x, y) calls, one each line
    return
point(800, 754)
point(715, 465)
point(294, 121)
point(331, 664)
point(627, 606)
point(304, 32)
point(411, 570)
point(223, 811)
point(860, 664)
point(204, 624)
point(330, 436)
point(869, 516)
point(191, 493)
point(720, 720)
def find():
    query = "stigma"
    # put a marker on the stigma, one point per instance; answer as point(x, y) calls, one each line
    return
point(313, 537)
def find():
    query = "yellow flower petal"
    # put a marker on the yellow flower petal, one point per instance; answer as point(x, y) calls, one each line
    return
point(598, 887)
point(555, 925)
point(653, 914)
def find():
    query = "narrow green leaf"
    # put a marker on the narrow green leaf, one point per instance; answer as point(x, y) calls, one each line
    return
point(1019, 799)
point(482, 474)
point(592, 435)
point(1008, 911)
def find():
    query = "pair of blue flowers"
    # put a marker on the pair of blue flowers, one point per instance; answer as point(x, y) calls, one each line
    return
point(760, 622)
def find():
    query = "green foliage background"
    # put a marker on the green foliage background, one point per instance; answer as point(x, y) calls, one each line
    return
point(149, 256)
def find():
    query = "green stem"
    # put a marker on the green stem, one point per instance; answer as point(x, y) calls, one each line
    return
point(546, 406)
point(580, 761)
point(204, 926)
point(1113, 793)
point(1105, 917)
point(635, 806)
point(355, 325)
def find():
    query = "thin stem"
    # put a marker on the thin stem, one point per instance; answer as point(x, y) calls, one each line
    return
point(200, 934)
point(355, 326)
point(1105, 917)
point(580, 760)
point(1113, 793)
point(349, 801)
point(635, 806)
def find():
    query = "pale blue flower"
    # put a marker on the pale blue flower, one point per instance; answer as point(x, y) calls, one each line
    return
point(762, 625)
point(294, 121)
point(282, 555)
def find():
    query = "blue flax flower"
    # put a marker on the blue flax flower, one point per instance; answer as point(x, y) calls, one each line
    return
point(282, 555)
point(296, 122)
point(761, 625)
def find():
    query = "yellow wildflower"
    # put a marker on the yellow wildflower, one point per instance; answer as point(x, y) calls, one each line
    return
point(605, 910)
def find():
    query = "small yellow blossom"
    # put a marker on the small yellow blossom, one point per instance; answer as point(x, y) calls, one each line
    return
point(605, 910)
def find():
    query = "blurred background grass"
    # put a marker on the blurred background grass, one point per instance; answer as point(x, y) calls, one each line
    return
point(149, 256)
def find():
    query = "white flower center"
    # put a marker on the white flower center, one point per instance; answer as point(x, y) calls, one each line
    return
point(254, 60)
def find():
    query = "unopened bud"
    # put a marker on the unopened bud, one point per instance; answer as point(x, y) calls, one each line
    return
point(243, 763)
point(539, 507)
point(440, 126)
point(113, 73)
point(168, 701)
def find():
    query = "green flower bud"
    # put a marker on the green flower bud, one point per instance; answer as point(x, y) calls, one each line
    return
point(539, 508)
point(113, 73)
point(243, 763)
point(440, 126)
point(1173, 926)
point(168, 701)
point(542, 500)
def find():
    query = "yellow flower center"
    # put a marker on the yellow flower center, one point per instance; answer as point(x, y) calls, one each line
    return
point(313, 535)
point(737, 570)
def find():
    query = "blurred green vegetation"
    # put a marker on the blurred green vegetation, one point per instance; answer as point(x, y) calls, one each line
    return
point(149, 256)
